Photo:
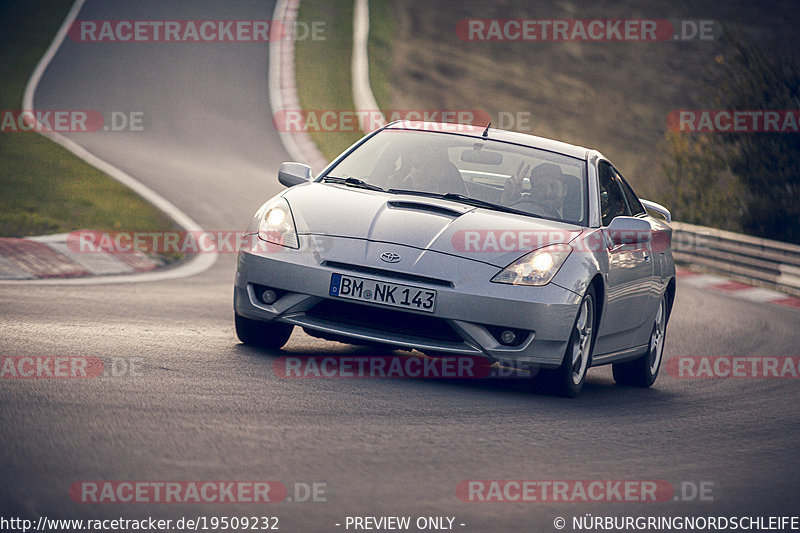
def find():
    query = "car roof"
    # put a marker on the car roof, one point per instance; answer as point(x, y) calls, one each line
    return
point(494, 134)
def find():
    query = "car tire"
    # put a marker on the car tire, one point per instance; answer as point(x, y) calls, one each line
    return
point(642, 372)
point(567, 380)
point(262, 334)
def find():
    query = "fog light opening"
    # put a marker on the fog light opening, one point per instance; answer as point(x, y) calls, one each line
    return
point(269, 296)
point(508, 337)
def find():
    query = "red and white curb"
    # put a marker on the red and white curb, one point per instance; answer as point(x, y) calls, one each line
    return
point(736, 288)
point(19, 262)
point(49, 257)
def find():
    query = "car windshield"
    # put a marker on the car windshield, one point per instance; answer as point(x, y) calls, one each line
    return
point(484, 172)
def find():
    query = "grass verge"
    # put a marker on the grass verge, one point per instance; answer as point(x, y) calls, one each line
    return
point(379, 50)
point(322, 70)
point(44, 188)
point(323, 67)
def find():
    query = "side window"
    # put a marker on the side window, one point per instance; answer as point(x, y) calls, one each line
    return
point(612, 199)
point(633, 201)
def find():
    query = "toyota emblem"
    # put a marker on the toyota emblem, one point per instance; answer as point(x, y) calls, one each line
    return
point(390, 257)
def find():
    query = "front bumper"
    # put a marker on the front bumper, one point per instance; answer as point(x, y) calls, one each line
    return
point(469, 309)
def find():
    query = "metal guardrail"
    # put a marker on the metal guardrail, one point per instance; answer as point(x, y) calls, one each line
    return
point(772, 263)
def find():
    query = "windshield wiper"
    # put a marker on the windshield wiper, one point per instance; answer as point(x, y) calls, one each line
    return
point(352, 182)
point(478, 203)
point(416, 192)
point(468, 200)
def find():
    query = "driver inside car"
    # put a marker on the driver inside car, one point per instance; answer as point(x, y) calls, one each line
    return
point(430, 170)
point(548, 189)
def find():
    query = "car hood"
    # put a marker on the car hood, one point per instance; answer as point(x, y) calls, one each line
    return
point(427, 224)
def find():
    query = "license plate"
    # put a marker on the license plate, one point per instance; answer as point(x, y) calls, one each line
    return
point(380, 292)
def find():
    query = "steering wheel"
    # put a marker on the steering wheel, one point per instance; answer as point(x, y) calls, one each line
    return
point(537, 208)
point(417, 181)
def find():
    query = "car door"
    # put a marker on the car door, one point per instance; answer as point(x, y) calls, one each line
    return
point(630, 271)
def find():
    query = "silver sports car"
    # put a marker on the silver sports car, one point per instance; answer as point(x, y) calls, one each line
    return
point(464, 241)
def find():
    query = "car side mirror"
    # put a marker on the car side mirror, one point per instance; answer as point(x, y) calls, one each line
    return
point(658, 208)
point(291, 174)
point(629, 230)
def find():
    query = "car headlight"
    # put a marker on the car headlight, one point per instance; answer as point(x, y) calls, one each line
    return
point(535, 268)
point(277, 224)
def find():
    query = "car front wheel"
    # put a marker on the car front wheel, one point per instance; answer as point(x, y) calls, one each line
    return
point(642, 372)
point(567, 380)
point(262, 334)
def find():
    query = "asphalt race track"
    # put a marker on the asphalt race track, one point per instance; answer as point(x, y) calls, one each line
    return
point(201, 406)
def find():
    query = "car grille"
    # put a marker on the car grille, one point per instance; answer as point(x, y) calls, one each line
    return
point(384, 320)
point(387, 273)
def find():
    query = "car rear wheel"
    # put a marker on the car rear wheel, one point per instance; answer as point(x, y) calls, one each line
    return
point(642, 372)
point(262, 334)
point(567, 380)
